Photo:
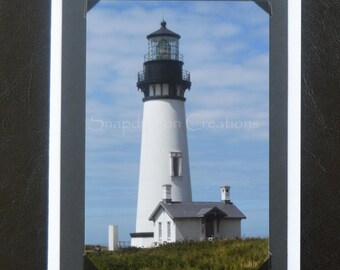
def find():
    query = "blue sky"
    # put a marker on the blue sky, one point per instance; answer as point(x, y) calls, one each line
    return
point(225, 48)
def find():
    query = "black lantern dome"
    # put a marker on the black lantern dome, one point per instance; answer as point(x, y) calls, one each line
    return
point(162, 76)
point(163, 44)
point(163, 31)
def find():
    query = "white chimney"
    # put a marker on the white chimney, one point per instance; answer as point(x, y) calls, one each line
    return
point(225, 194)
point(167, 193)
point(113, 237)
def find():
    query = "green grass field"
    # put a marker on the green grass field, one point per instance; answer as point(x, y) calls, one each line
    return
point(247, 254)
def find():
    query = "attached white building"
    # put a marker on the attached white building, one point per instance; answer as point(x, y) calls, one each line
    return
point(179, 221)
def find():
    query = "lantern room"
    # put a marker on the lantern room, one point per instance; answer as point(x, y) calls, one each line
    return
point(163, 45)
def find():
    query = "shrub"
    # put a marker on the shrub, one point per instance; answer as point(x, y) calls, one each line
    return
point(248, 254)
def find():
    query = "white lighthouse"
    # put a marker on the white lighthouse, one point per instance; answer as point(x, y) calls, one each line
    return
point(164, 151)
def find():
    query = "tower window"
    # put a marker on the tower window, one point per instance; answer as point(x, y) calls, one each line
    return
point(165, 89)
point(151, 90)
point(178, 90)
point(175, 164)
point(158, 89)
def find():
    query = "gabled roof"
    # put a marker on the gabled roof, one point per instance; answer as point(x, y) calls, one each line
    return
point(179, 210)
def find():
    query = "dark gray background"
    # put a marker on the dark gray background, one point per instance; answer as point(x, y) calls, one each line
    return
point(24, 114)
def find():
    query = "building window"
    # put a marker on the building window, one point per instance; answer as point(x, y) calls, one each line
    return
point(160, 231)
point(175, 164)
point(169, 230)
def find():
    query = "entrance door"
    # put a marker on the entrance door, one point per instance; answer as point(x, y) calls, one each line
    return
point(209, 228)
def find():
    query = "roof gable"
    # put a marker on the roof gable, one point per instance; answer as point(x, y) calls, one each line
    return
point(211, 211)
point(157, 209)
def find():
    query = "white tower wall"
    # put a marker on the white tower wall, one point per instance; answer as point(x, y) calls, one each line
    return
point(164, 132)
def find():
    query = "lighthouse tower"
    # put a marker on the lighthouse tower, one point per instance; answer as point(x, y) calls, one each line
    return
point(164, 151)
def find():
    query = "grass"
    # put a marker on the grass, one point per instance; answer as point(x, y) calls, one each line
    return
point(247, 254)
